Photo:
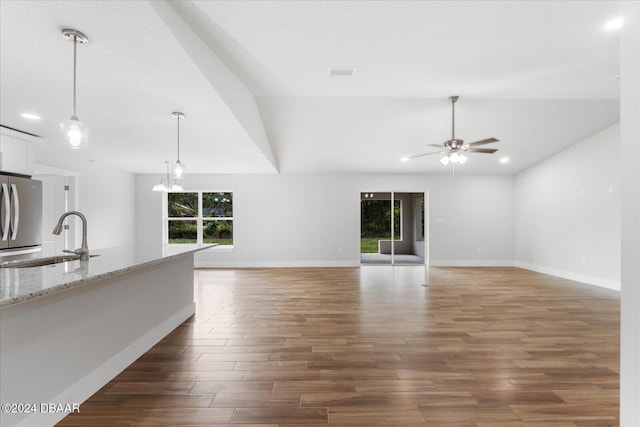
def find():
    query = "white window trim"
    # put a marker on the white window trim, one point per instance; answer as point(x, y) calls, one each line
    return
point(199, 221)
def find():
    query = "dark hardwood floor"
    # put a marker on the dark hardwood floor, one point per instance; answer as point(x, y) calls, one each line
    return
point(368, 346)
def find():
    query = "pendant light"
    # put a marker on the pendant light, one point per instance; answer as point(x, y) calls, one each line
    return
point(73, 130)
point(168, 186)
point(163, 186)
point(179, 168)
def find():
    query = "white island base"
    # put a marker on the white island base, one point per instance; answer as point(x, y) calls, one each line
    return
point(59, 349)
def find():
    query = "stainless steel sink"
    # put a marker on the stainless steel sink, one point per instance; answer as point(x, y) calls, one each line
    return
point(41, 262)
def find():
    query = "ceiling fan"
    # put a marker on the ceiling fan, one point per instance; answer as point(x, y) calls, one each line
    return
point(454, 149)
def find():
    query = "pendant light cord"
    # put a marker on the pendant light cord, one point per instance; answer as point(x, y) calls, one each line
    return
point(75, 45)
point(178, 137)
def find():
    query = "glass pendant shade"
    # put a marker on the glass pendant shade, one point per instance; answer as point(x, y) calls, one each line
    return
point(160, 186)
point(453, 158)
point(168, 186)
point(75, 133)
point(179, 170)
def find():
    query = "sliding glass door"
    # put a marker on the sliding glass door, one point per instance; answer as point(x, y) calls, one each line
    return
point(376, 223)
point(382, 212)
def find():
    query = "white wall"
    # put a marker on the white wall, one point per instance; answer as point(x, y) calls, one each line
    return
point(630, 164)
point(314, 220)
point(568, 212)
point(472, 220)
point(106, 196)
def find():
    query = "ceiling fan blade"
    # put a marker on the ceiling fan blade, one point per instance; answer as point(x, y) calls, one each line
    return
point(425, 154)
point(484, 141)
point(435, 145)
point(482, 150)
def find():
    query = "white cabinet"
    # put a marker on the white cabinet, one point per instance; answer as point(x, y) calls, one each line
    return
point(16, 154)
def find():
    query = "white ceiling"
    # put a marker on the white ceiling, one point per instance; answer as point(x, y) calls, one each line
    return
point(251, 77)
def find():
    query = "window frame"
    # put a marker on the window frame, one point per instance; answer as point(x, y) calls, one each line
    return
point(200, 219)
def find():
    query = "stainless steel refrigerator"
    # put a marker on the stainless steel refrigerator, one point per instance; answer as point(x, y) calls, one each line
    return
point(20, 213)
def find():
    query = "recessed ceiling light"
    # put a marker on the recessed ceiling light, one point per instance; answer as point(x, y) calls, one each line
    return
point(504, 160)
point(404, 159)
point(30, 116)
point(613, 24)
point(342, 71)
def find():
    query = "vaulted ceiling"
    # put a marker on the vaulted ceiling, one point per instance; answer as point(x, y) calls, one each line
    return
point(252, 78)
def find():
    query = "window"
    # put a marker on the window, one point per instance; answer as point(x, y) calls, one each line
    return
point(200, 217)
point(217, 213)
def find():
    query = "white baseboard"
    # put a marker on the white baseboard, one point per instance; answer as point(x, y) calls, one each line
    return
point(273, 264)
point(577, 277)
point(356, 263)
point(93, 382)
point(584, 278)
point(471, 263)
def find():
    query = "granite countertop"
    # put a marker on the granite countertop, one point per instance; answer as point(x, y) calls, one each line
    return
point(18, 285)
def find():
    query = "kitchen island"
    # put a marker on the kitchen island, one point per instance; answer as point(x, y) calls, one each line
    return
point(67, 329)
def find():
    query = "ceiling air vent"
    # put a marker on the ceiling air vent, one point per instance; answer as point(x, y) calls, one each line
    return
point(342, 71)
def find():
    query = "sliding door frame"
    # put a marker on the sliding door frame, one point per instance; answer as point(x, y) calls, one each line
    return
point(425, 231)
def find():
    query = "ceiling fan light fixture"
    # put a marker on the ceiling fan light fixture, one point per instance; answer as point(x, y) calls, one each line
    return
point(454, 148)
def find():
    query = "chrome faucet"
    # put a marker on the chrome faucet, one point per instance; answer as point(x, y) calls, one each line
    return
point(83, 251)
